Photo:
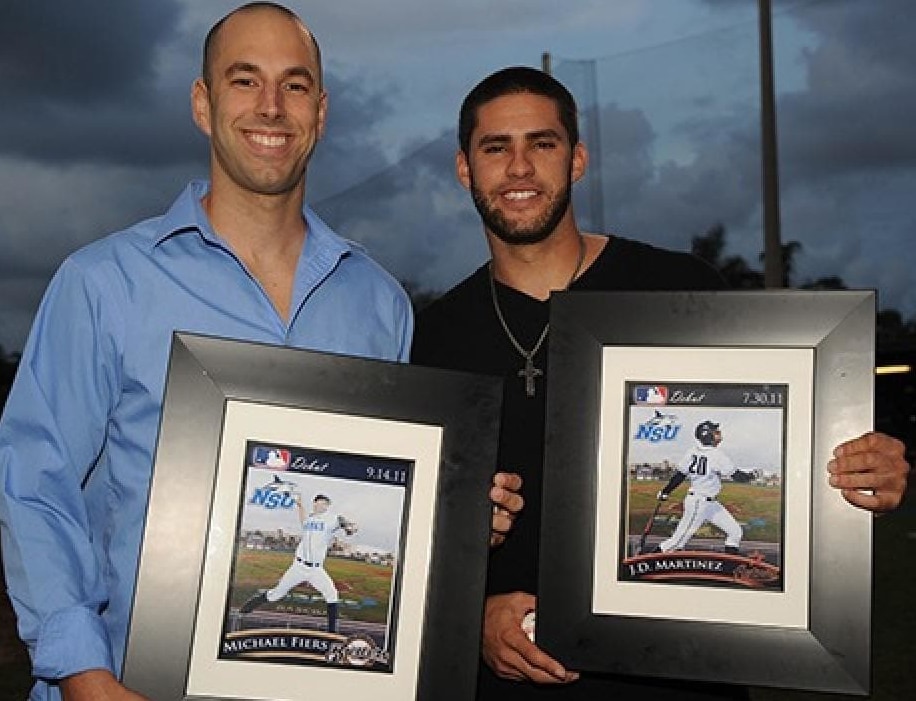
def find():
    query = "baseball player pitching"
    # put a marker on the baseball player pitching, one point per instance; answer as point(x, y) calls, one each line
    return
point(704, 467)
point(318, 528)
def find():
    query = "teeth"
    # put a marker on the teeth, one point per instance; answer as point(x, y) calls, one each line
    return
point(520, 194)
point(268, 140)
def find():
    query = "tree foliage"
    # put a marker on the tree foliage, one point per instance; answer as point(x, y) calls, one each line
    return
point(892, 329)
point(736, 271)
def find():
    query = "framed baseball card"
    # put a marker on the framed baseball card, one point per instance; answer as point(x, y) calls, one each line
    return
point(688, 445)
point(726, 444)
point(309, 583)
point(296, 542)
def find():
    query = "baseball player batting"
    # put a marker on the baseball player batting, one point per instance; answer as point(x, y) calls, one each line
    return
point(704, 467)
point(318, 529)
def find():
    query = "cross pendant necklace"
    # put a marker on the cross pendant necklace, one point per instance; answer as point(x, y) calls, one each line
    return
point(530, 372)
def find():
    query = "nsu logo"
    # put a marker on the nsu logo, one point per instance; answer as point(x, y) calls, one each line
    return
point(274, 495)
point(271, 499)
point(661, 427)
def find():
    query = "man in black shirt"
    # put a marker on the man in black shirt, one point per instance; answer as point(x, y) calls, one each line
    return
point(519, 156)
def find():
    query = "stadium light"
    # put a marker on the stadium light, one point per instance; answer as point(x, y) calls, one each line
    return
point(893, 369)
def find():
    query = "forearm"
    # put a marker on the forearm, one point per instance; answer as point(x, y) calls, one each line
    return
point(96, 685)
point(53, 577)
point(51, 434)
point(673, 484)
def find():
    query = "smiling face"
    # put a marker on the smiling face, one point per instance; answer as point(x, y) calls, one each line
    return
point(262, 107)
point(520, 167)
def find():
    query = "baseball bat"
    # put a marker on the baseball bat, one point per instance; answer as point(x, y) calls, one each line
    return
point(648, 528)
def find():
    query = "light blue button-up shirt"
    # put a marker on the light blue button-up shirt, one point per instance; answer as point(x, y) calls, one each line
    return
point(79, 429)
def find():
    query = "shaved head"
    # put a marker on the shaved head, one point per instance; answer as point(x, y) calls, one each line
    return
point(212, 41)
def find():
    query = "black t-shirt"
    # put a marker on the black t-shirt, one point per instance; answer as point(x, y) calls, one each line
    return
point(461, 331)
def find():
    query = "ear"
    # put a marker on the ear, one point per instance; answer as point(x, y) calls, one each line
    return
point(463, 169)
point(200, 106)
point(579, 161)
point(322, 112)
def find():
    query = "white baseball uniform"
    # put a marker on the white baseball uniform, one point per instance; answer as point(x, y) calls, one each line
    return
point(308, 565)
point(704, 467)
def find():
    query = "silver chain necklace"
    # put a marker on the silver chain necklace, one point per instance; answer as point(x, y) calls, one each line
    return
point(530, 372)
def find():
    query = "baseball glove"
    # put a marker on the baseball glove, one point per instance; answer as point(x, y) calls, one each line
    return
point(349, 527)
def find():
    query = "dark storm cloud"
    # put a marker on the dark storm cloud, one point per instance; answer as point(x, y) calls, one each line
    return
point(668, 203)
point(163, 133)
point(81, 52)
point(847, 156)
point(853, 113)
point(414, 218)
point(849, 119)
point(134, 116)
point(625, 160)
point(83, 83)
point(411, 215)
point(111, 133)
point(860, 82)
point(351, 150)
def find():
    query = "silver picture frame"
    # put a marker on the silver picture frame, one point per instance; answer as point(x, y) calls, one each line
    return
point(438, 427)
point(813, 630)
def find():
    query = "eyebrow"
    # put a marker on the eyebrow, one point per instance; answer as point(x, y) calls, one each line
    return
point(245, 67)
point(487, 139)
point(241, 67)
point(300, 72)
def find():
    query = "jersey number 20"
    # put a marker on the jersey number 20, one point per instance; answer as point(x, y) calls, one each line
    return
point(697, 465)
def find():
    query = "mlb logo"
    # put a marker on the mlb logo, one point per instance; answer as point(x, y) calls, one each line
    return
point(651, 394)
point(272, 458)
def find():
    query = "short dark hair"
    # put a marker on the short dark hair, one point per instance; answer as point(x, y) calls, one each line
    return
point(321, 497)
point(513, 81)
point(210, 41)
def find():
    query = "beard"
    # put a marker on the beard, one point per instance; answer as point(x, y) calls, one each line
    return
point(508, 232)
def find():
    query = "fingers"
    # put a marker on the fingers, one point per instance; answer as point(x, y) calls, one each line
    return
point(505, 492)
point(870, 471)
point(510, 480)
point(867, 501)
point(500, 526)
point(507, 503)
point(507, 649)
point(540, 667)
point(868, 442)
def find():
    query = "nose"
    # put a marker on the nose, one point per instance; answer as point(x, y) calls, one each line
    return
point(270, 104)
point(520, 164)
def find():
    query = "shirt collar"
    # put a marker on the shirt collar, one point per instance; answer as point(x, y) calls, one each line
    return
point(187, 214)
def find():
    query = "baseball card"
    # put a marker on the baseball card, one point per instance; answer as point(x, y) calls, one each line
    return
point(704, 492)
point(315, 573)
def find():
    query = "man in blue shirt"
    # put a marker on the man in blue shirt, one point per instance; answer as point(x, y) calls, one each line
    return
point(238, 256)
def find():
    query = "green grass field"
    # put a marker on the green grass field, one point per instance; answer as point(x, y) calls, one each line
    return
point(757, 509)
point(364, 588)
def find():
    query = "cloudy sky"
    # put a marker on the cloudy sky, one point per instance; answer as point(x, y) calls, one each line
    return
point(95, 132)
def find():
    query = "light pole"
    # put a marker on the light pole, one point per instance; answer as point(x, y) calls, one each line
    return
point(772, 245)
